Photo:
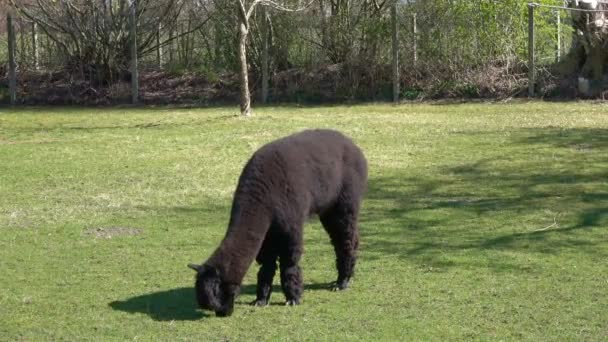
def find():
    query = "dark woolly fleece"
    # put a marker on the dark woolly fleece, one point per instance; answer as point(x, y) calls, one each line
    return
point(285, 182)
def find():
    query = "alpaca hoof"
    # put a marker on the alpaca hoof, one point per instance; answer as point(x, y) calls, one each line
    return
point(223, 313)
point(292, 302)
point(339, 285)
point(259, 302)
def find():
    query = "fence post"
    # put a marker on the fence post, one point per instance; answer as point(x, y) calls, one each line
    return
point(22, 39)
point(171, 44)
point(265, 71)
point(134, 67)
point(159, 48)
point(12, 74)
point(35, 52)
point(531, 48)
point(395, 52)
point(559, 36)
point(415, 47)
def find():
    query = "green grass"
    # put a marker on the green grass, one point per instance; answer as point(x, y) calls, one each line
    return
point(482, 221)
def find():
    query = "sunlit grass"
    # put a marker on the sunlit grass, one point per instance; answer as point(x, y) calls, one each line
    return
point(482, 221)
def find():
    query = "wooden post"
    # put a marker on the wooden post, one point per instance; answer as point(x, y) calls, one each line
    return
point(180, 45)
point(531, 48)
point(108, 8)
point(558, 56)
point(265, 71)
point(48, 47)
point(35, 53)
point(395, 53)
point(170, 46)
point(22, 40)
point(159, 48)
point(415, 47)
point(134, 67)
point(12, 74)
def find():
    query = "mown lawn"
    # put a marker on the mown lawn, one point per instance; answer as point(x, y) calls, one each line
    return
point(482, 221)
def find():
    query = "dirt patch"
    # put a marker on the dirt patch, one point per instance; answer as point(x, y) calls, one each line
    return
point(582, 148)
point(110, 232)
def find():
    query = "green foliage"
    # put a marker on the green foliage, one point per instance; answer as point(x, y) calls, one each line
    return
point(467, 90)
point(482, 222)
point(4, 94)
point(209, 73)
point(456, 41)
point(176, 69)
point(3, 51)
point(466, 34)
point(413, 93)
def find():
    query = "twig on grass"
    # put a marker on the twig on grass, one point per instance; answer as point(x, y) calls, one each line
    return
point(549, 226)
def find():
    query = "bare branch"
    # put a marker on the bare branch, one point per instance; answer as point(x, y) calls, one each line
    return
point(277, 6)
point(274, 5)
point(167, 41)
point(243, 14)
point(251, 8)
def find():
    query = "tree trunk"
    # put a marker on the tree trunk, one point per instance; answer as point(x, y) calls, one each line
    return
point(395, 41)
point(243, 77)
point(243, 14)
point(134, 66)
point(159, 47)
point(12, 65)
point(35, 51)
point(265, 62)
point(588, 56)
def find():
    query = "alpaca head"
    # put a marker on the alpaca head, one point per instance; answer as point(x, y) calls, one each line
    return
point(211, 292)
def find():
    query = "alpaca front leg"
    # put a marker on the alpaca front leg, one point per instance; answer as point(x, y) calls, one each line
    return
point(264, 287)
point(289, 257)
point(292, 284)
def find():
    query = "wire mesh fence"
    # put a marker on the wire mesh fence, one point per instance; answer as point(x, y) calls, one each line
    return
point(472, 49)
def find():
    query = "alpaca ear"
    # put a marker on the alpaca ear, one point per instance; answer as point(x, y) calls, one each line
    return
point(195, 267)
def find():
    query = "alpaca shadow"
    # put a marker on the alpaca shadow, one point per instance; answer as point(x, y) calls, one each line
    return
point(170, 305)
point(180, 304)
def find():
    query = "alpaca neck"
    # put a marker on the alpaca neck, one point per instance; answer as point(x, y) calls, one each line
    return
point(243, 240)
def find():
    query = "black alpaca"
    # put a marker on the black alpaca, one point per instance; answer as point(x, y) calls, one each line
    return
point(285, 182)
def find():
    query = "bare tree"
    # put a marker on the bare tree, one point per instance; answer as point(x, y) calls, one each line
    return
point(245, 9)
point(341, 21)
point(94, 34)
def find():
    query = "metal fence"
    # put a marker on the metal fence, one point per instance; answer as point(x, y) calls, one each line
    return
point(522, 47)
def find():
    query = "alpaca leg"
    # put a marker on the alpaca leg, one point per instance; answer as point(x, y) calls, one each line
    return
point(264, 288)
point(291, 273)
point(267, 257)
point(292, 284)
point(341, 225)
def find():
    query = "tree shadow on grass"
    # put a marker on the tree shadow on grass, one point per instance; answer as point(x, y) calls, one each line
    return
point(482, 206)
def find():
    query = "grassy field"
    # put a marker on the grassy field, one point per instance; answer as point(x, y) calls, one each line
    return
point(482, 221)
